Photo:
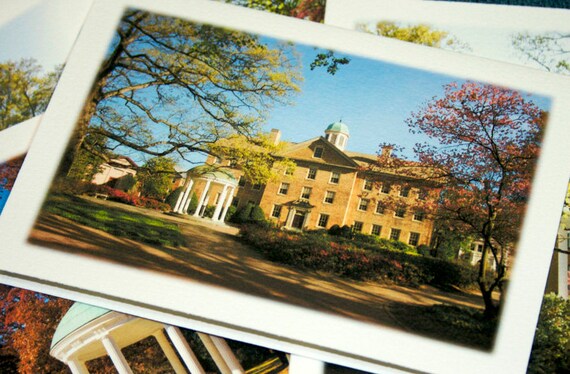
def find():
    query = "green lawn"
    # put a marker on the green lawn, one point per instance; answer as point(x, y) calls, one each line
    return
point(461, 325)
point(114, 220)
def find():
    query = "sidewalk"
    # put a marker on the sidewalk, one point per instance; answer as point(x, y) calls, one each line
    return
point(213, 255)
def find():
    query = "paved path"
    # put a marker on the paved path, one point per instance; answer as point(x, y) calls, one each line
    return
point(214, 256)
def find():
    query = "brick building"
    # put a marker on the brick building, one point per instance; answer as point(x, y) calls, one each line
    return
point(329, 186)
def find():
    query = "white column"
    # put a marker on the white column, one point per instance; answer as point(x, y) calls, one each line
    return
point(169, 353)
point(228, 355)
point(181, 196)
point(184, 350)
point(220, 204)
point(77, 367)
point(202, 198)
point(185, 198)
point(227, 206)
point(303, 365)
point(306, 220)
point(116, 355)
point(290, 217)
point(214, 353)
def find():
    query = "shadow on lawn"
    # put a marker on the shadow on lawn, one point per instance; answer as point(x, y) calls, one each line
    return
point(219, 259)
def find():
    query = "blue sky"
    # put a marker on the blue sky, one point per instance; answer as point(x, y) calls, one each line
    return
point(373, 98)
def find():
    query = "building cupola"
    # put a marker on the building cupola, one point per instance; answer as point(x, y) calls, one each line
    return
point(337, 133)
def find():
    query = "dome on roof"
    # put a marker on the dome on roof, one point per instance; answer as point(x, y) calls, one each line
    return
point(211, 172)
point(338, 127)
point(77, 316)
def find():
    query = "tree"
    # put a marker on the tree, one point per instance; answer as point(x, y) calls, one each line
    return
point(448, 242)
point(125, 183)
point(9, 171)
point(24, 90)
point(242, 214)
point(173, 87)
point(90, 157)
point(418, 34)
point(484, 141)
point(284, 7)
point(551, 347)
point(156, 177)
point(258, 161)
point(550, 51)
point(27, 323)
point(313, 10)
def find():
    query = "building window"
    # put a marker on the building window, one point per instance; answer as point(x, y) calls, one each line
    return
point(363, 205)
point(414, 239)
point(477, 248)
point(289, 171)
point(283, 189)
point(276, 212)
point(376, 229)
point(241, 182)
point(368, 185)
point(318, 152)
point(323, 220)
point(306, 193)
point(235, 201)
point(357, 226)
point(422, 195)
point(419, 216)
point(335, 177)
point(405, 191)
point(395, 234)
point(400, 212)
point(380, 208)
point(312, 174)
point(256, 187)
point(386, 187)
point(329, 197)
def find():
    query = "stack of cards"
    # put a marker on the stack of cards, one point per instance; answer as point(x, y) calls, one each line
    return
point(310, 188)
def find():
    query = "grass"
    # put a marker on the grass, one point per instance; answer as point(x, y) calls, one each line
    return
point(460, 325)
point(115, 221)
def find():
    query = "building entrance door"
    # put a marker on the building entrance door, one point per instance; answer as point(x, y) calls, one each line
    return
point(298, 220)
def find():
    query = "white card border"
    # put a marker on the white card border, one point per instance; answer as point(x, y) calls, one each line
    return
point(342, 13)
point(16, 139)
point(302, 330)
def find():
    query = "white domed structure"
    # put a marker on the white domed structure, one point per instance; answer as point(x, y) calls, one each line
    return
point(337, 133)
point(87, 332)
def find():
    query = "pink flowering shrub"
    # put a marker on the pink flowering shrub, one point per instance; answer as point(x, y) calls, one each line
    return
point(319, 252)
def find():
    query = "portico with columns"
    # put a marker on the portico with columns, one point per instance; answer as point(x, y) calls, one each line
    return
point(208, 181)
point(87, 332)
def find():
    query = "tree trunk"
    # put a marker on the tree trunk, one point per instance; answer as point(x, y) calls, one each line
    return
point(491, 309)
point(78, 135)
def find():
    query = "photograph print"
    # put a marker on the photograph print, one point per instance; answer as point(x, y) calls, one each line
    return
point(346, 185)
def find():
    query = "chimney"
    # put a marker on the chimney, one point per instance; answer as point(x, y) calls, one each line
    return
point(387, 151)
point(274, 136)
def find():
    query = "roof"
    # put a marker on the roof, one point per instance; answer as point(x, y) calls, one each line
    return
point(293, 147)
point(339, 127)
point(76, 317)
point(362, 159)
point(213, 172)
point(123, 161)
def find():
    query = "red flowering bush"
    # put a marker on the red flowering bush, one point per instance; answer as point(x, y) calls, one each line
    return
point(320, 252)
